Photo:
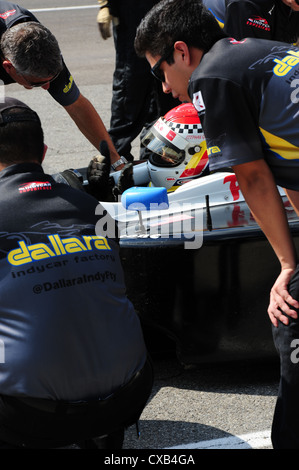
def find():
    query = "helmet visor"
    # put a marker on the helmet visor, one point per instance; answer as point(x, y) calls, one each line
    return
point(165, 153)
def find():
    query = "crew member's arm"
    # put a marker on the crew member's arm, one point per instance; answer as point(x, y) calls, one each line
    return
point(293, 197)
point(65, 91)
point(260, 192)
point(91, 125)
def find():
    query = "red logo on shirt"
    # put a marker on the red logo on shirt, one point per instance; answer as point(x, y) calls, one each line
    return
point(35, 186)
point(6, 14)
point(234, 41)
point(258, 22)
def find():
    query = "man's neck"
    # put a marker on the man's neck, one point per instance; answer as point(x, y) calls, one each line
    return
point(3, 166)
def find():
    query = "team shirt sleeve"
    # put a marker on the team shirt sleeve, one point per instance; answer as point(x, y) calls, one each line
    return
point(64, 89)
point(229, 116)
point(243, 19)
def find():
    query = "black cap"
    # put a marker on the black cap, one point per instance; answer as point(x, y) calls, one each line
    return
point(10, 103)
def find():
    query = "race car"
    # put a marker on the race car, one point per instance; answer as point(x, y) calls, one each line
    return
point(174, 187)
point(198, 269)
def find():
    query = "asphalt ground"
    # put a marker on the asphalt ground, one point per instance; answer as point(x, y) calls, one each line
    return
point(220, 406)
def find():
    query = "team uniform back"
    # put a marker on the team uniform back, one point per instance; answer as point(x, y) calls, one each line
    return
point(68, 329)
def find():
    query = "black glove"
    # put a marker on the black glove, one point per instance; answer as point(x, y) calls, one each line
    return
point(125, 180)
point(101, 184)
point(71, 178)
point(98, 175)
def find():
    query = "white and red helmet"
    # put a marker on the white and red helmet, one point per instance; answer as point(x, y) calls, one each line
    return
point(178, 146)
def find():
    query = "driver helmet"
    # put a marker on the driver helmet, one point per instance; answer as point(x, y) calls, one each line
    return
point(178, 148)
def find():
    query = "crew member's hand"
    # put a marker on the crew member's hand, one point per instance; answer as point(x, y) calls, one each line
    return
point(281, 302)
point(98, 172)
point(98, 175)
point(104, 20)
point(125, 181)
point(101, 185)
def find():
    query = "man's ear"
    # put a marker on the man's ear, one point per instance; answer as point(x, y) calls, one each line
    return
point(44, 152)
point(182, 48)
point(7, 65)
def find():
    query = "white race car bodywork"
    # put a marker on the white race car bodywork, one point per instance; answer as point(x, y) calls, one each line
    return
point(197, 196)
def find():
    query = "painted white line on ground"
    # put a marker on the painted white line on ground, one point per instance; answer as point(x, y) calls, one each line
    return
point(83, 7)
point(255, 440)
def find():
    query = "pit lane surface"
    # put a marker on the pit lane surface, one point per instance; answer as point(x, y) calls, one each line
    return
point(221, 406)
point(208, 407)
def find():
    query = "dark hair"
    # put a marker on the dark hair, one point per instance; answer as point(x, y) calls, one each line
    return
point(32, 49)
point(177, 20)
point(22, 141)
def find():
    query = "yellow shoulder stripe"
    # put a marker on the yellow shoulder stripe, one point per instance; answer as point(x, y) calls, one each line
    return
point(278, 145)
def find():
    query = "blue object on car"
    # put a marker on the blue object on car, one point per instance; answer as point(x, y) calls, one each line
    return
point(145, 198)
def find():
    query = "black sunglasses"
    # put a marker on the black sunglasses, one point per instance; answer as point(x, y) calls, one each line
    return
point(39, 84)
point(157, 73)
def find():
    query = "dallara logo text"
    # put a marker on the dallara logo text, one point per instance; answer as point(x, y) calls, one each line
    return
point(57, 246)
point(69, 86)
point(285, 65)
point(6, 14)
point(35, 186)
point(213, 150)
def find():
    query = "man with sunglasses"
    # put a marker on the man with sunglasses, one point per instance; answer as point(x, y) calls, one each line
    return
point(30, 56)
point(265, 19)
point(246, 96)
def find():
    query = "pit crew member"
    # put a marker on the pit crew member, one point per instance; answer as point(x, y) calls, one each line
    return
point(246, 98)
point(73, 363)
point(30, 56)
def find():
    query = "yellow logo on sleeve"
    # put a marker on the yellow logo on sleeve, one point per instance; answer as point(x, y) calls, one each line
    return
point(213, 150)
point(69, 85)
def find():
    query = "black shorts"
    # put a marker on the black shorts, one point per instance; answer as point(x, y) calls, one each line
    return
point(38, 423)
